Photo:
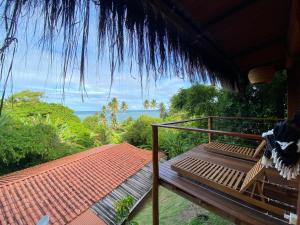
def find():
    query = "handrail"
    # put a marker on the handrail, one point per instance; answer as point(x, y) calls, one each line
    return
point(221, 117)
point(226, 133)
point(247, 118)
point(184, 121)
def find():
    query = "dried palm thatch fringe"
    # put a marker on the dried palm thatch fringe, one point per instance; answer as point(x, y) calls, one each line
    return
point(153, 40)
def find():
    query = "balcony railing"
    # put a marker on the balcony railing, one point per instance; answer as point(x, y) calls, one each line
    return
point(231, 127)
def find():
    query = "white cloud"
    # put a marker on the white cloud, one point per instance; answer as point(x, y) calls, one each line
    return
point(33, 70)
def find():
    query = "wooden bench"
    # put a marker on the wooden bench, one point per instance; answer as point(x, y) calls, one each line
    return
point(236, 151)
point(228, 180)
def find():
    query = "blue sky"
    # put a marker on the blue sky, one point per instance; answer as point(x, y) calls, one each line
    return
point(32, 70)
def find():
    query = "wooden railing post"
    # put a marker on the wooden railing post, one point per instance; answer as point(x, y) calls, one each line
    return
point(155, 207)
point(209, 127)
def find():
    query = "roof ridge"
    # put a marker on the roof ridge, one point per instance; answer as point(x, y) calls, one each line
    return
point(109, 146)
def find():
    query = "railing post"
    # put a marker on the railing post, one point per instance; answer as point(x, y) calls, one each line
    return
point(209, 127)
point(155, 209)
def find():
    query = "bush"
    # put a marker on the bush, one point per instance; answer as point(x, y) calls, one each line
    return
point(25, 145)
point(139, 133)
point(122, 208)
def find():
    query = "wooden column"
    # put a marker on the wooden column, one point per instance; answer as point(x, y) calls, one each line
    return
point(293, 90)
point(293, 106)
point(155, 175)
point(209, 126)
point(293, 65)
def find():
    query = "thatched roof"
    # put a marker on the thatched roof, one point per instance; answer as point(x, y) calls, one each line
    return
point(153, 39)
point(197, 40)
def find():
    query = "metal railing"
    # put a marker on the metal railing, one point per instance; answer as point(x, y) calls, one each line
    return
point(210, 131)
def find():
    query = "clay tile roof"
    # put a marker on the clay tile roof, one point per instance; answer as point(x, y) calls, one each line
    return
point(67, 187)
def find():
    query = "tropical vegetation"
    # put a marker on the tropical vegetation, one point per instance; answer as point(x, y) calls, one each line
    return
point(33, 131)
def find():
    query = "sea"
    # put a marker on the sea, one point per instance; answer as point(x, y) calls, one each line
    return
point(121, 116)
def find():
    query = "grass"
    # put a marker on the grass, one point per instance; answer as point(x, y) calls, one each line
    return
point(176, 210)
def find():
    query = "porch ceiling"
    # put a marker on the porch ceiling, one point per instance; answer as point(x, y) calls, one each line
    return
point(249, 33)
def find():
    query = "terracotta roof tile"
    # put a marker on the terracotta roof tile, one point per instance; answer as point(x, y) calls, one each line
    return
point(67, 187)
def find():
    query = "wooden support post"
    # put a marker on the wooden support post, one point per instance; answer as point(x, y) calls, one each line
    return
point(293, 90)
point(155, 175)
point(209, 127)
point(293, 65)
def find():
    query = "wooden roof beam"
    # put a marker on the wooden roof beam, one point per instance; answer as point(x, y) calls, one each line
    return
point(293, 45)
point(173, 13)
point(227, 13)
point(267, 44)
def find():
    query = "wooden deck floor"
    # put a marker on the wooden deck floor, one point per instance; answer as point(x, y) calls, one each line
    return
point(225, 205)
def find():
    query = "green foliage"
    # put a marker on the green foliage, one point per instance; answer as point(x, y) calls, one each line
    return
point(33, 132)
point(146, 104)
point(122, 208)
point(162, 110)
point(208, 220)
point(171, 144)
point(200, 100)
point(124, 106)
point(153, 104)
point(68, 126)
point(103, 115)
point(25, 96)
point(113, 106)
point(25, 145)
point(139, 133)
point(4, 119)
point(262, 100)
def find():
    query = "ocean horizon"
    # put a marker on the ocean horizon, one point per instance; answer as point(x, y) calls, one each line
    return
point(121, 116)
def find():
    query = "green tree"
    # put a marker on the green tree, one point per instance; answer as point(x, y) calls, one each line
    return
point(25, 96)
point(32, 111)
point(153, 104)
point(199, 100)
point(146, 104)
point(162, 110)
point(139, 132)
point(113, 105)
point(124, 106)
point(103, 115)
point(114, 108)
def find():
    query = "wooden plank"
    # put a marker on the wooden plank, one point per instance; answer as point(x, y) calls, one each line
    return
point(239, 179)
point(201, 168)
point(233, 179)
point(216, 173)
point(224, 169)
point(224, 176)
point(251, 175)
point(231, 150)
point(259, 149)
point(231, 192)
point(214, 201)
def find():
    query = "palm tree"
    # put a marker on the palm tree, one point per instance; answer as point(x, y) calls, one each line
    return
point(146, 104)
point(162, 110)
point(113, 106)
point(124, 106)
point(153, 104)
point(103, 115)
point(113, 119)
